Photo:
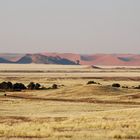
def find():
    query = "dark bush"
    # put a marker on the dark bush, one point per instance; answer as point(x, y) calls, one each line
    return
point(54, 86)
point(91, 82)
point(37, 86)
point(116, 85)
point(19, 86)
point(124, 86)
point(6, 85)
point(31, 86)
point(10, 85)
point(138, 87)
point(3, 85)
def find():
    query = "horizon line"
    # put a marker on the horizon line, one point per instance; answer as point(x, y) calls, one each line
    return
point(67, 53)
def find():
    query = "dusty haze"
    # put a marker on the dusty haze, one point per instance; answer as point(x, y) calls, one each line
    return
point(77, 26)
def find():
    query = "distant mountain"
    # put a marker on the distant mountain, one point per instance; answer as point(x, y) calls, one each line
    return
point(73, 59)
point(2, 60)
point(11, 56)
point(42, 59)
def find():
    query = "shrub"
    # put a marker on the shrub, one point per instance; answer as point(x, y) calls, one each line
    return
point(10, 85)
point(116, 85)
point(54, 86)
point(37, 86)
point(19, 86)
point(91, 82)
point(31, 86)
point(138, 87)
point(3, 85)
point(6, 85)
point(124, 86)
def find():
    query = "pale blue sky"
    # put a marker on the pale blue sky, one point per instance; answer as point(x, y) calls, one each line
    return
point(80, 26)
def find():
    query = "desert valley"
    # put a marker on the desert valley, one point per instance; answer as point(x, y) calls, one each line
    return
point(69, 69)
point(84, 105)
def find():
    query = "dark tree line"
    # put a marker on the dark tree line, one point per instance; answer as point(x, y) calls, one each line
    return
point(19, 86)
point(9, 86)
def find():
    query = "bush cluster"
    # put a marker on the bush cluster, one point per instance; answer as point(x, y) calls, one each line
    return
point(33, 86)
point(10, 86)
point(19, 86)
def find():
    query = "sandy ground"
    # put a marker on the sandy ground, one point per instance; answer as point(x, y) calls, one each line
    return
point(73, 111)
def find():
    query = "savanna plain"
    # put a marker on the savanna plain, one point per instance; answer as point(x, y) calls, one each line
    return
point(75, 110)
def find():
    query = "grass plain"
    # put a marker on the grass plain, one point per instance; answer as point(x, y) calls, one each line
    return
point(75, 110)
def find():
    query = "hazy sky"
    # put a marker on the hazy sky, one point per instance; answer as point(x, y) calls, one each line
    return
point(80, 26)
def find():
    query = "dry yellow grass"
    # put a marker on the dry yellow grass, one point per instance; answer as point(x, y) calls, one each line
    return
point(74, 111)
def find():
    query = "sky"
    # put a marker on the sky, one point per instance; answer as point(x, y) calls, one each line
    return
point(72, 26)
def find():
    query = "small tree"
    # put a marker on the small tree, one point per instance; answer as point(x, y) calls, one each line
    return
point(31, 86)
point(116, 85)
point(10, 85)
point(19, 86)
point(78, 62)
point(3, 85)
point(138, 87)
point(6, 85)
point(54, 86)
point(124, 86)
point(91, 82)
point(37, 86)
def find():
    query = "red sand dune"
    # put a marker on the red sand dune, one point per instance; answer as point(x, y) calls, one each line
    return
point(102, 59)
point(94, 59)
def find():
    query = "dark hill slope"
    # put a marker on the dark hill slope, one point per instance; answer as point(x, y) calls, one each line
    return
point(42, 59)
point(2, 60)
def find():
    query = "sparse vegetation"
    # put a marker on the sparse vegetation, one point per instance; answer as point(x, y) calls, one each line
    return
point(138, 87)
point(74, 111)
point(125, 87)
point(91, 82)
